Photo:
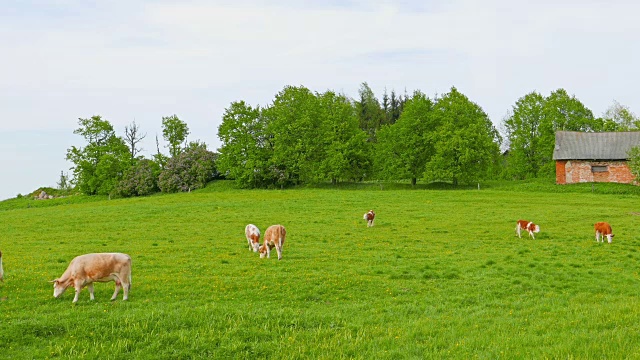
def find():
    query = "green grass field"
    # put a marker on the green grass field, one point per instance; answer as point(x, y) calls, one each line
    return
point(440, 275)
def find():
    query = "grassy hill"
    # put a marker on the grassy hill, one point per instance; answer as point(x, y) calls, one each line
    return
point(440, 275)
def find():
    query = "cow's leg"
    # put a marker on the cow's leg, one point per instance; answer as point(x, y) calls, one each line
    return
point(268, 251)
point(78, 286)
point(279, 250)
point(118, 286)
point(597, 236)
point(533, 236)
point(518, 231)
point(90, 287)
point(125, 290)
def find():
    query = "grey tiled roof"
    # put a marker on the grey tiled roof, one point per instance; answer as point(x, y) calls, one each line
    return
point(575, 145)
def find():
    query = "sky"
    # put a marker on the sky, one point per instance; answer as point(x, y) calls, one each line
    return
point(127, 61)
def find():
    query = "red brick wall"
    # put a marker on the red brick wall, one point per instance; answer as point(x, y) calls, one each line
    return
point(577, 171)
point(561, 175)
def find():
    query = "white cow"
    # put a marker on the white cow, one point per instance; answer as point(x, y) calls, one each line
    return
point(253, 237)
point(273, 237)
point(370, 217)
point(1, 271)
point(86, 269)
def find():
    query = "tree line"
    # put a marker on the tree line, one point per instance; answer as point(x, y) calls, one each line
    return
point(306, 137)
point(110, 165)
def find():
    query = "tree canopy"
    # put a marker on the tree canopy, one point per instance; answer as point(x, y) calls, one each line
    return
point(532, 125)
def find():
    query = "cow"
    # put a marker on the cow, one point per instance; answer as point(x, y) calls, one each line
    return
point(527, 225)
point(86, 269)
point(370, 216)
point(1, 271)
point(603, 229)
point(253, 237)
point(273, 237)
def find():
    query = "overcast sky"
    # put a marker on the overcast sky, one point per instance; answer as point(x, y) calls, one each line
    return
point(142, 60)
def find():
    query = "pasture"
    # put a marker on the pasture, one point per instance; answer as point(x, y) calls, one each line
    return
point(440, 275)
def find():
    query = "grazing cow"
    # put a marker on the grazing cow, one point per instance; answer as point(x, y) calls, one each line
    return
point(603, 229)
point(86, 269)
point(273, 237)
point(253, 237)
point(527, 225)
point(1, 271)
point(370, 216)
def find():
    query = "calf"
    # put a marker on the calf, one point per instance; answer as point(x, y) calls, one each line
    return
point(1, 271)
point(273, 237)
point(86, 269)
point(527, 225)
point(253, 237)
point(370, 216)
point(603, 229)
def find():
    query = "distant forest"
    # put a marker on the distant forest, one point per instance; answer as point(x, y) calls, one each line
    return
point(304, 137)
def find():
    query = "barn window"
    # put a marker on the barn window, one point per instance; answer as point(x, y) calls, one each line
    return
point(599, 168)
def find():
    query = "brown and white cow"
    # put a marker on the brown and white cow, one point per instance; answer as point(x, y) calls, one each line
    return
point(273, 237)
point(86, 269)
point(527, 225)
point(1, 271)
point(603, 230)
point(370, 216)
point(253, 237)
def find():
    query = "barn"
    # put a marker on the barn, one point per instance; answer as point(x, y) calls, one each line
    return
point(594, 157)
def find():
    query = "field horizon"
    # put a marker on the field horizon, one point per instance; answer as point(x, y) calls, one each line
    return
point(440, 275)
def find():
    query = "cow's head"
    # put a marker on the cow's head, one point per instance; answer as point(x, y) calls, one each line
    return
point(255, 245)
point(536, 229)
point(610, 238)
point(59, 287)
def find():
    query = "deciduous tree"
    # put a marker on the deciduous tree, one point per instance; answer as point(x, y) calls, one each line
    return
point(246, 149)
point(101, 163)
point(467, 143)
point(404, 148)
point(369, 112)
point(175, 132)
point(133, 136)
point(345, 150)
point(619, 117)
point(524, 125)
point(296, 129)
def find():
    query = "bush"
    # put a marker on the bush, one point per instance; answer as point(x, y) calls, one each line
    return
point(140, 180)
point(189, 170)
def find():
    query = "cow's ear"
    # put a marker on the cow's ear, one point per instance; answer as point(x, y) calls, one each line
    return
point(54, 281)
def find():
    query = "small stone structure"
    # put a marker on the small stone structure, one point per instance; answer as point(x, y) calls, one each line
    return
point(43, 196)
point(594, 157)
